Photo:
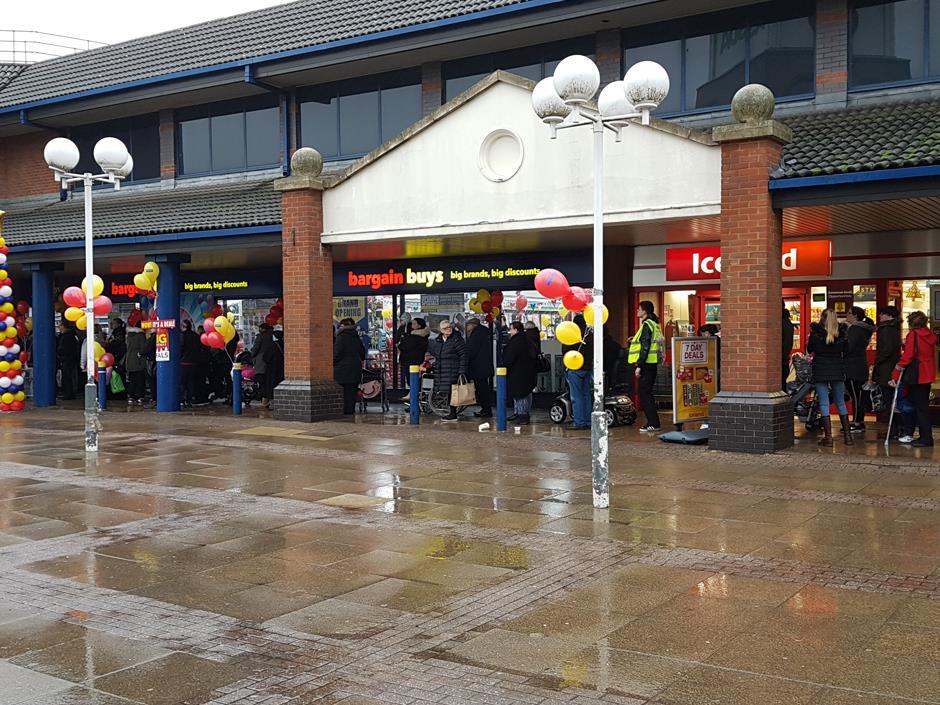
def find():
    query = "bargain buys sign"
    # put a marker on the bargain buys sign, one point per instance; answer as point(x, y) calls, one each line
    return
point(807, 258)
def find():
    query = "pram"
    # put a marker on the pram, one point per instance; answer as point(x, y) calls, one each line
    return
point(803, 395)
point(251, 388)
point(372, 385)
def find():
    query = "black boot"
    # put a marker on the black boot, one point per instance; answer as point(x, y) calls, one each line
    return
point(826, 440)
point(523, 420)
point(846, 429)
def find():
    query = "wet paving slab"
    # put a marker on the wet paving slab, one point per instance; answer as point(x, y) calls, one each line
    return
point(247, 561)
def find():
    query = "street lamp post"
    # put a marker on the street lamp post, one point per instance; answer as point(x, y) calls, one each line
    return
point(562, 102)
point(62, 156)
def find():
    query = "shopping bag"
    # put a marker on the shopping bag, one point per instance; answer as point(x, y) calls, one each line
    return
point(463, 393)
point(117, 384)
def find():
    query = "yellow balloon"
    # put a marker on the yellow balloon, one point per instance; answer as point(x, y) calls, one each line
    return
point(29, 323)
point(7, 398)
point(230, 316)
point(568, 333)
point(474, 305)
point(97, 285)
point(11, 332)
point(73, 314)
point(4, 274)
point(563, 312)
point(386, 313)
point(589, 314)
point(16, 365)
point(152, 271)
point(4, 366)
point(574, 360)
point(99, 351)
point(221, 323)
point(495, 311)
point(542, 335)
point(545, 319)
point(2, 242)
point(19, 396)
point(7, 307)
point(142, 282)
point(81, 323)
point(483, 295)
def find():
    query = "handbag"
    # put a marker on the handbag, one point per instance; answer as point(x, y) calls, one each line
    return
point(911, 373)
point(542, 363)
point(875, 397)
point(117, 384)
point(463, 393)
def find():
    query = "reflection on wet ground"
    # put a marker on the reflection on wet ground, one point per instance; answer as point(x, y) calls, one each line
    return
point(205, 559)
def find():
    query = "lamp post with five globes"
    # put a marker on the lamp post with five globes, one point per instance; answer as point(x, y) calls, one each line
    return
point(62, 156)
point(561, 102)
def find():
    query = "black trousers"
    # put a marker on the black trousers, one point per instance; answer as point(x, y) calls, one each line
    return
point(70, 374)
point(857, 394)
point(350, 396)
point(920, 398)
point(136, 385)
point(484, 392)
point(188, 383)
point(647, 400)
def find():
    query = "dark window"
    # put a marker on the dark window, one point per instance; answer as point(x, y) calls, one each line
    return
point(534, 63)
point(891, 41)
point(230, 136)
point(351, 118)
point(709, 58)
point(141, 136)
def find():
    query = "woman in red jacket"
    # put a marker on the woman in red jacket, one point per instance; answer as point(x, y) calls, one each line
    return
point(919, 355)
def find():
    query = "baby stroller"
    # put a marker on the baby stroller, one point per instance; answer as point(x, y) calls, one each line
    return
point(372, 388)
point(803, 395)
point(617, 405)
point(251, 389)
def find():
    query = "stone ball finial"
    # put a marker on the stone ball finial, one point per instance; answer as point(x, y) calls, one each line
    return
point(753, 103)
point(306, 161)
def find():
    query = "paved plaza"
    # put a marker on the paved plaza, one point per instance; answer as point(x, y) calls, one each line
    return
point(205, 559)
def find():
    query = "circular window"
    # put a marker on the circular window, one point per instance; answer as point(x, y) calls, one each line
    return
point(501, 155)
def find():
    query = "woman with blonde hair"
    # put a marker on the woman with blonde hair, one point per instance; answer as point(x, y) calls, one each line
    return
point(826, 344)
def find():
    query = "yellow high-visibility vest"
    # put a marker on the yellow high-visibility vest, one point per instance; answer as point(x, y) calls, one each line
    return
point(633, 356)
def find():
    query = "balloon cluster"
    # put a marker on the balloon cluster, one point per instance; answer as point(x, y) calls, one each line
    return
point(552, 284)
point(488, 304)
point(147, 280)
point(76, 299)
point(13, 325)
point(276, 314)
point(219, 331)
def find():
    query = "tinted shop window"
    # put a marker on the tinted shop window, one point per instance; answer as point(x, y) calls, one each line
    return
point(141, 136)
point(226, 137)
point(534, 63)
point(351, 118)
point(889, 40)
point(706, 68)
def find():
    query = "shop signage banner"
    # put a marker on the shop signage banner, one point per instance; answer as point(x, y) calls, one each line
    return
point(436, 303)
point(806, 258)
point(162, 331)
point(353, 307)
point(453, 274)
point(694, 377)
point(232, 283)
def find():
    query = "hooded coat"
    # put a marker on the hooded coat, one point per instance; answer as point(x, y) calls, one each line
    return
point(828, 361)
point(136, 357)
point(348, 356)
point(888, 351)
point(450, 359)
point(412, 347)
point(519, 359)
point(920, 344)
point(857, 337)
point(480, 353)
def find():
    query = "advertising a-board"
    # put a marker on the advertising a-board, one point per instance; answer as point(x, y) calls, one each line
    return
point(694, 378)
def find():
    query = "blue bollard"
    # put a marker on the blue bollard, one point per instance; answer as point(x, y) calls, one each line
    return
point(102, 387)
point(237, 389)
point(414, 401)
point(500, 398)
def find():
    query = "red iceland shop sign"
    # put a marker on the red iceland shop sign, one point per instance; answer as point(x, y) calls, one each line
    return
point(806, 258)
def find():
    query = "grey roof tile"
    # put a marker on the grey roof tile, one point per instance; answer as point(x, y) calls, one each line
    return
point(305, 23)
point(862, 139)
point(147, 212)
point(8, 72)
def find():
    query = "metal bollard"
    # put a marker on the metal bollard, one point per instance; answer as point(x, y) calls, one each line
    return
point(500, 398)
point(237, 389)
point(414, 401)
point(102, 387)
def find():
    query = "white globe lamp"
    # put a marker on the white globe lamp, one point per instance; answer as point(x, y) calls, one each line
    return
point(111, 154)
point(613, 102)
point(548, 105)
point(61, 154)
point(576, 79)
point(126, 168)
point(646, 85)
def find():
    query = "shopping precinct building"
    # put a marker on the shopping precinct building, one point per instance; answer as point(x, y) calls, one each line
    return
point(436, 165)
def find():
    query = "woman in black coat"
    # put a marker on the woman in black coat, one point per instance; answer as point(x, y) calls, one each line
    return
point(827, 345)
point(348, 355)
point(413, 345)
point(857, 337)
point(450, 363)
point(519, 359)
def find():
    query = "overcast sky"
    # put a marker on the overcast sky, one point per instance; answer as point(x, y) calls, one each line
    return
point(109, 21)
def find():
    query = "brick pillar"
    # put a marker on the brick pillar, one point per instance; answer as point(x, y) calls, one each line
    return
point(167, 147)
point(609, 55)
point(832, 49)
point(751, 413)
point(432, 87)
point(618, 290)
point(308, 392)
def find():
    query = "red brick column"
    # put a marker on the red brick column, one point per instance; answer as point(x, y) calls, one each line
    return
point(832, 49)
point(751, 413)
point(308, 391)
point(167, 145)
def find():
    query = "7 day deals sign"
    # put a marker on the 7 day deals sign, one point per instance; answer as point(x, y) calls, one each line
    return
point(694, 377)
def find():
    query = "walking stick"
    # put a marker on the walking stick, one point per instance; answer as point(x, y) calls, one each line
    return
point(894, 404)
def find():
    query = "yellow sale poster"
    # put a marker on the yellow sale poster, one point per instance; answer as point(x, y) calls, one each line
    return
point(694, 377)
